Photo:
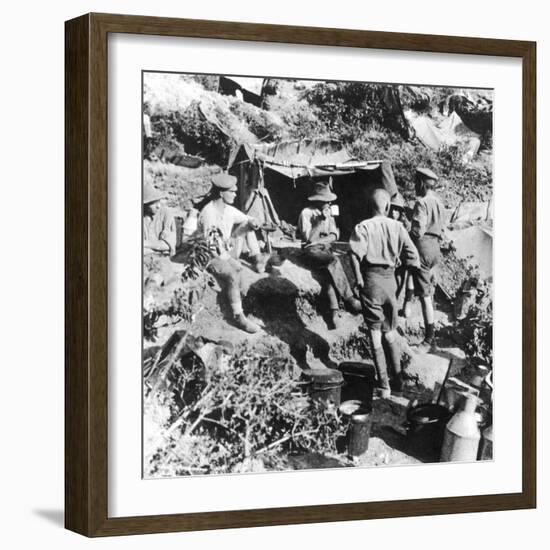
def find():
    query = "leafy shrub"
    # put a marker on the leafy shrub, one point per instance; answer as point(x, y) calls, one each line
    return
point(458, 181)
point(475, 327)
point(246, 410)
point(195, 133)
point(186, 300)
point(472, 329)
point(207, 81)
point(347, 109)
point(299, 118)
point(452, 270)
point(263, 124)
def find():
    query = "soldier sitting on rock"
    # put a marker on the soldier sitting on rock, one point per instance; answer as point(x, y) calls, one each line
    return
point(377, 244)
point(317, 230)
point(159, 228)
point(228, 231)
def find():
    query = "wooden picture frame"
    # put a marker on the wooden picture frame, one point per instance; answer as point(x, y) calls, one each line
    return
point(86, 279)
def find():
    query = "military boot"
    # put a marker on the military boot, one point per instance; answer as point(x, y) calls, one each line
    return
point(259, 262)
point(396, 383)
point(384, 390)
point(242, 322)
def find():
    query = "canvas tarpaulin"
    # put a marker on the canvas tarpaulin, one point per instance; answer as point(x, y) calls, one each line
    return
point(310, 158)
point(449, 131)
point(467, 213)
point(476, 243)
point(288, 170)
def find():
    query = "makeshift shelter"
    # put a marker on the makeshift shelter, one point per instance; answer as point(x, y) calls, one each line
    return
point(287, 171)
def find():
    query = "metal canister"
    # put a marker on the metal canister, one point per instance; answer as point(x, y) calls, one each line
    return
point(326, 385)
point(461, 439)
point(359, 425)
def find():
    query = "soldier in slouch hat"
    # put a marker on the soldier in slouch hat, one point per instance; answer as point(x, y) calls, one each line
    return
point(317, 229)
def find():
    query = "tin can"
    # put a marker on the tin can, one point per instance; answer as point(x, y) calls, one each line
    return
point(359, 425)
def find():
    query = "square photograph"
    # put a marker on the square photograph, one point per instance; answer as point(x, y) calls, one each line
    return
point(317, 274)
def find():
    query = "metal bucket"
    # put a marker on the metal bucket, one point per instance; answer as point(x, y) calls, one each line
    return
point(425, 429)
point(359, 424)
point(325, 385)
point(359, 382)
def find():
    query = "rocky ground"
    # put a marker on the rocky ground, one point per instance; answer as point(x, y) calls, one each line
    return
point(192, 121)
point(287, 305)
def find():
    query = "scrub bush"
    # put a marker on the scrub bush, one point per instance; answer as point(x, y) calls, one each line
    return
point(235, 414)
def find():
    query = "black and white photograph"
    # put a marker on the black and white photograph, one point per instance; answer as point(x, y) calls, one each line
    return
point(317, 274)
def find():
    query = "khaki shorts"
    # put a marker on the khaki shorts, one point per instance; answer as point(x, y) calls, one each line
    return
point(430, 254)
point(378, 298)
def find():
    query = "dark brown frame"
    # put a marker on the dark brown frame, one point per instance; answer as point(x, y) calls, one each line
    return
point(86, 274)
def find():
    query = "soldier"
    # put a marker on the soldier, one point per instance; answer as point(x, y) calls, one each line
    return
point(397, 210)
point(228, 230)
point(159, 229)
point(427, 226)
point(317, 229)
point(403, 276)
point(377, 244)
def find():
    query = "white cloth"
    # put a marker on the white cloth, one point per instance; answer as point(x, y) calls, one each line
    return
point(224, 220)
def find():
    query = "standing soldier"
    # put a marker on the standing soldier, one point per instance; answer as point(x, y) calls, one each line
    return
point(317, 229)
point(377, 244)
point(427, 226)
point(402, 276)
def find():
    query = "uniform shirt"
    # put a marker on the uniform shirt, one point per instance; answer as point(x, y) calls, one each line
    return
point(224, 220)
point(160, 227)
point(382, 241)
point(312, 225)
point(428, 216)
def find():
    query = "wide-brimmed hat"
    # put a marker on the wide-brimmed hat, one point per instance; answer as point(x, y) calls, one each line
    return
point(321, 192)
point(397, 201)
point(152, 194)
point(426, 173)
point(224, 181)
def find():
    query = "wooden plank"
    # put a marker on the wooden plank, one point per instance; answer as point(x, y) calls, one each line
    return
point(77, 383)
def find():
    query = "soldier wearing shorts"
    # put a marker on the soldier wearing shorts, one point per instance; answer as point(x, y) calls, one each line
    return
point(228, 231)
point(427, 226)
point(378, 244)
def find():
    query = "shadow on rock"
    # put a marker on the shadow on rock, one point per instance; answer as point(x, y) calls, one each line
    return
point(275, 300)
